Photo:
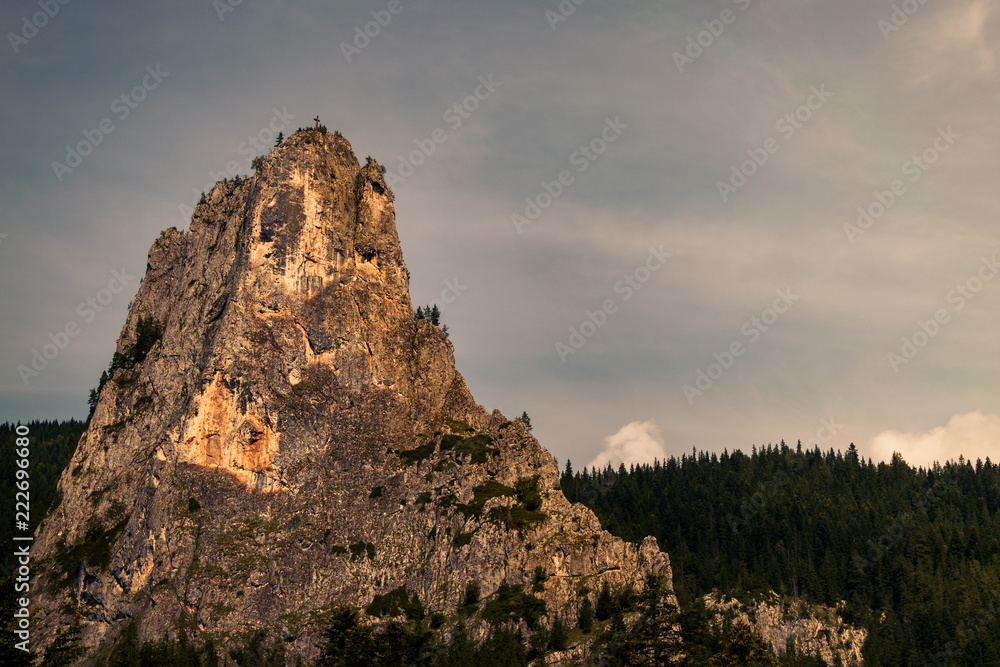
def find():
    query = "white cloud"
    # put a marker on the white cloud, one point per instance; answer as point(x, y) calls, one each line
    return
point(636, 442)
point(973, 435)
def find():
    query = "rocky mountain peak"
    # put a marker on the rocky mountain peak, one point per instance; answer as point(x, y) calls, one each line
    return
point(277, 434)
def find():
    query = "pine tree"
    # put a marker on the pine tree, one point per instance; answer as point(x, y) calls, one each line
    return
point(92, 402)
point(63, 650)
point(558, 636)
point(746, 647)
point(567, 481)
point(605, 603)
point(526, 420)
point(652, 640)
point(586, 615)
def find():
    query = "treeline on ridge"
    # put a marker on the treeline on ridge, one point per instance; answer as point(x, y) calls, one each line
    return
point(913, 553)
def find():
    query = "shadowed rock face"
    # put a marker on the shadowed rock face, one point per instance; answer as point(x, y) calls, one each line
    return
point(297, 439)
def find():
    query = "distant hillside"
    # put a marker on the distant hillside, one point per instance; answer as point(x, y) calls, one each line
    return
point(52, 445)
point(914, 553)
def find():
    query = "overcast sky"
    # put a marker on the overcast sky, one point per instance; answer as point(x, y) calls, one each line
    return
point(713, 156)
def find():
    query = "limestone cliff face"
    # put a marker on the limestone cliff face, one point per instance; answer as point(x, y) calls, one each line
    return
point(296, 439)
point(815, 629)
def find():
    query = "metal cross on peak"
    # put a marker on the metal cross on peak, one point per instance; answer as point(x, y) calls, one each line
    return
point(317, 121)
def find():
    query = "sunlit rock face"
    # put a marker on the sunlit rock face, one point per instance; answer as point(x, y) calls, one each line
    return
point(816, 629)
point(296, 439)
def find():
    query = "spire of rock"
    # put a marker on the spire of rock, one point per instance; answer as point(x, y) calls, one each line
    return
point(293, 437)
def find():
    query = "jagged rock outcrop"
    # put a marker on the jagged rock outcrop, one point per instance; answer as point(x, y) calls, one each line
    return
point(815, 629)
point(278, 435)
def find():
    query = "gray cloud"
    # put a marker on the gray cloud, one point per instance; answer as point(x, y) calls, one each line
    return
point(657, 184)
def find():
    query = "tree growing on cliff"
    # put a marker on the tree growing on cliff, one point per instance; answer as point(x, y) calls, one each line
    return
point(605, 603)
point(654, 638)
point(432, 313)
point(526, 420)
point(585, 618)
